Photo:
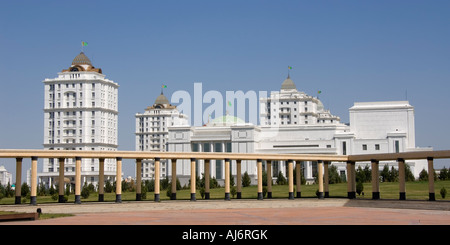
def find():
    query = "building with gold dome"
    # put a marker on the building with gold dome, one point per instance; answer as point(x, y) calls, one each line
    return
point(80, 113)
point(152, 131)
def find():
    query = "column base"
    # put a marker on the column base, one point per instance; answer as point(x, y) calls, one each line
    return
point(299, 194)
point(320, 195)
point(351, 195)
point(239, 195)
point(207, 195)
point(375, 195)
point(402, 196)
point(118, 198)
point(101, 197)
point(260, 196)
point(157, 198)
point(61, 199)
point(193, 197)
point(269, 195)
point(227, 196)
point(173, 196)
point(33, 200)
point(138, 197)
point(77, 199)
point(327, 194)
point(291, 195)
point(432, 197)
point(18, 200)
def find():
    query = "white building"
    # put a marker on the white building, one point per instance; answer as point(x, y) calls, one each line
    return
point(80, 113)
point(152, 132)
point(5, 176)
point(294, 122)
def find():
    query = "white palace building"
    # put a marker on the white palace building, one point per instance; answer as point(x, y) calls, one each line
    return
point(293, 122)
point(80, 113)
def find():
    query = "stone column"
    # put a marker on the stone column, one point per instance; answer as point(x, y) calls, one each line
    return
point(77, 180)
point(326, 179)
point(227, 179)
point(375, 180)
point(61, 181)
point(239, 179)
point(431, 179)
point(118, 180)
point(193, 187)
point(173, 195)
point(353, 167)
point(298, 178)
point(207, 176)
point(157, 179)
point(350, 179)
point(101, 179)
point(401, 178)
point(269, 178)
point(33, 180)
point(138, 179)
point(260, 187)
point(320, 178)
point(291, 179)
point(18, 181)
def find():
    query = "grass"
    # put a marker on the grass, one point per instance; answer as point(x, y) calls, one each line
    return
point(417, 190)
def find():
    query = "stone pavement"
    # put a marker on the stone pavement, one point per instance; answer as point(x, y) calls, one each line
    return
point(305, 211)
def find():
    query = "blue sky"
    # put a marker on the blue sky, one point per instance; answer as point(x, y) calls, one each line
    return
point(353, 51)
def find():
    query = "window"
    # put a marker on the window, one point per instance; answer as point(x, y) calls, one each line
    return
point(397, 146)
point(344, 148)
point(377, 147)
point(364, 147)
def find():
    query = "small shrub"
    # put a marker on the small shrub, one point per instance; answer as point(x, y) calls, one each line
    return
point(443, 192)
point(85, 192)
point(359, 188)
point(202, 192)
point(233, 191)
point(246, 180)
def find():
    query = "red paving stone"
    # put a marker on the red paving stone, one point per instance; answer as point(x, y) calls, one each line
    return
point(257, 216)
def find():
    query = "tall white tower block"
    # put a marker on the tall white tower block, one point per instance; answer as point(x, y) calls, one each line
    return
point(80, 113)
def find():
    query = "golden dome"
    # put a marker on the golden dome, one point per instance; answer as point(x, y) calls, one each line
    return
point(288, 84)
point(81, 59)
point(162, 100)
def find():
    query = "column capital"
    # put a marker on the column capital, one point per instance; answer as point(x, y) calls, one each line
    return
point(374, 160)
point(430, 158)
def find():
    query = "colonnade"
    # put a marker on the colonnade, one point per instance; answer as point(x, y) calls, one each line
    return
point(322, 173)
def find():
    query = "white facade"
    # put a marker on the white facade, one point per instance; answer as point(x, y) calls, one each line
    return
point(80, 113)
point(152, 132)
point(294, 122)
point(5, 176)
point(292, 107)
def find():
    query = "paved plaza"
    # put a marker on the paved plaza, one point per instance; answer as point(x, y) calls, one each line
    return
point(305, 211)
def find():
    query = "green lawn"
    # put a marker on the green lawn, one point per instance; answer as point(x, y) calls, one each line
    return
point(388, 190)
